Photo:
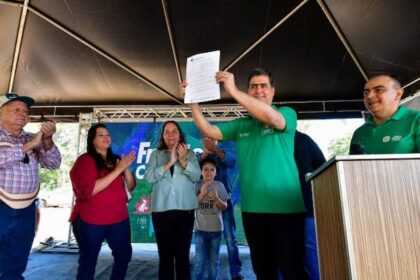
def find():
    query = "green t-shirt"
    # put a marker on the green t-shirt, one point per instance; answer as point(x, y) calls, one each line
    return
point(400, 134)
point(267, 169)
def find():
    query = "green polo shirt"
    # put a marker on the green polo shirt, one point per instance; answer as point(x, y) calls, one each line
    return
point(400, 134)
point(268, 173)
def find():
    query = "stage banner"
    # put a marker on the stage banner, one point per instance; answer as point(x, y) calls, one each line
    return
point(143, 138)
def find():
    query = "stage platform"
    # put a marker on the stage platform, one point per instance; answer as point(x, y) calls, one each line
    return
point(144, 264)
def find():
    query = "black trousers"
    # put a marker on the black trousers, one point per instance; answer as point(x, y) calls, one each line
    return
point(173, 230)
point(277, 245)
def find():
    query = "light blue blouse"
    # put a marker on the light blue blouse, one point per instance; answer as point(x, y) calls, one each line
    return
point(175, 192)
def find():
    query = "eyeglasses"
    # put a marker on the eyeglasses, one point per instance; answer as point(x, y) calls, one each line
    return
point(25, 160)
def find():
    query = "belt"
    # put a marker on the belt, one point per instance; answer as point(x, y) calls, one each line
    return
point(4, 204)
point(18, 201)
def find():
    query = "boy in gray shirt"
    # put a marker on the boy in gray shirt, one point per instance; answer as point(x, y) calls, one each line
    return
point(208, 225)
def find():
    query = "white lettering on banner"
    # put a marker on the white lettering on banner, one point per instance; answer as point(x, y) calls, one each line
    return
point(143, 149)
point(143, 157)
point(149, 153)
point(140, 171)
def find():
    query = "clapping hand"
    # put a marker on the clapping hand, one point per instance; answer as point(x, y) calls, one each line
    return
point(213, 196)
point(174, 155)
point(182, 152)
point(205, 188)
point(126, 161)
point(48, 128)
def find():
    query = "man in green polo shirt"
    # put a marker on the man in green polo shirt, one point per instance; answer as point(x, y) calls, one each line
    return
point(391, 129)
point(271, 198)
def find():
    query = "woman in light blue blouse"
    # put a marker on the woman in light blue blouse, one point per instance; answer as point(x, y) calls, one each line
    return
point(173, 169)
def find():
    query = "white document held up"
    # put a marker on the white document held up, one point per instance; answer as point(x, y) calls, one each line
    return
point(201, 77)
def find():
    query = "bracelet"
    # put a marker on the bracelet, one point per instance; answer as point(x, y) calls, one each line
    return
point(183, 162)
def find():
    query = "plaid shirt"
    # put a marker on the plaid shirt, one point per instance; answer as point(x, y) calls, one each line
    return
point(17, 176)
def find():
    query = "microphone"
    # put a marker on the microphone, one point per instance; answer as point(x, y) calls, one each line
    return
point(357, 149)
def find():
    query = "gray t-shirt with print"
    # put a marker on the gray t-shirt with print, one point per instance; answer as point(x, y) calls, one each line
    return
point(208, 217)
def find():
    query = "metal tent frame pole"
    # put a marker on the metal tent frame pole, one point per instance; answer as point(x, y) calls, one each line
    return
point(85, 122)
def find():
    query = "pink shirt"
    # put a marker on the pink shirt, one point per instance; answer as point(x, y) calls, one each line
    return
point(16, 176)
point(106, 207)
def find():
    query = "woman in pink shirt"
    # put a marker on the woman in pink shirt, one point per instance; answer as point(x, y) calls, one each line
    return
point(99, 179)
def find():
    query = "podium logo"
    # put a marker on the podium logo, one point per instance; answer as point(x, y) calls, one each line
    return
point(386, 139)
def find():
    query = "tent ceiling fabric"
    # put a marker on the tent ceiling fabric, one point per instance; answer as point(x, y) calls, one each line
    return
point(91, 53)
point(413, 102)
point(9, 16)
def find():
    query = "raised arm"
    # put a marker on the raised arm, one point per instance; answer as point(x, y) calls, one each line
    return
point(123, 164)
point(205, 127)
point(129, 177)
point(259, 109)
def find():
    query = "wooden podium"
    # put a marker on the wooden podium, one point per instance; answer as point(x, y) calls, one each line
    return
point(367, 215)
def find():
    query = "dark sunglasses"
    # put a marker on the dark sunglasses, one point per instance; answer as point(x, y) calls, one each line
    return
point(25, 160)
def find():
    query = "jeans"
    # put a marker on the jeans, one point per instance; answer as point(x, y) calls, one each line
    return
point(90, 238)
point(207, 248)
point(229, 233)
point(173, 231)
point(276, 244)
point(311, 254)
point(17, 231)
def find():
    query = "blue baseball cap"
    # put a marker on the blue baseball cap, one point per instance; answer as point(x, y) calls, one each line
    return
point(11, 96)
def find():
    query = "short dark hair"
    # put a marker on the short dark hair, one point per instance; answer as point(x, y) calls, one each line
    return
point(208, 160)
point(162, 145)
point(393, 77)
point(261, 72)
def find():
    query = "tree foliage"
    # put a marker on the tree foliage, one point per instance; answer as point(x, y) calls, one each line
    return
point(340, 146)
point(65, 139)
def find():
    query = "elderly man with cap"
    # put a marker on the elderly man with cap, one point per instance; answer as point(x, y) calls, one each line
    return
point(20, 153)
point(391, 128)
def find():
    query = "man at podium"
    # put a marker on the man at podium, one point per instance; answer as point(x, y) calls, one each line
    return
point(391, 128)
